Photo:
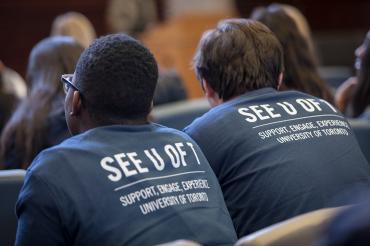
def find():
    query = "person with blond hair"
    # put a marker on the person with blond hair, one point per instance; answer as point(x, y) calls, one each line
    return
point(76, 25)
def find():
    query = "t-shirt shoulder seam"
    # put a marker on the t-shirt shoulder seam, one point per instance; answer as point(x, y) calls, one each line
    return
point(40, 179)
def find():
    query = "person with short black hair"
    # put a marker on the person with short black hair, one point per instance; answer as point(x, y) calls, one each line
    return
point(124, 66)
point(275, 154)
point(120, 180)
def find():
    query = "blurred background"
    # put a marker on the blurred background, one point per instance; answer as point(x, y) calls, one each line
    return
point(172, 28)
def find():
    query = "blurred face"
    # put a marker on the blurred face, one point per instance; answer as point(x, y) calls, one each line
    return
point(359, 53)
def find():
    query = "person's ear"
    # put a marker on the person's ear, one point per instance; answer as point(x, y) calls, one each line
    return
point(208, 91)
point(211, 95)
point(76, 104)
point(280, 80)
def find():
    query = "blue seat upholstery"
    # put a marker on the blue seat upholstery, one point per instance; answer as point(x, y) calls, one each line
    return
point(335, 75)
point(11, 182)
point(180, 114)
point(362, 132)
point(302, 230)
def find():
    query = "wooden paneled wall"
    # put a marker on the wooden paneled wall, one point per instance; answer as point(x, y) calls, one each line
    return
point(322, 15)
point(25, 22)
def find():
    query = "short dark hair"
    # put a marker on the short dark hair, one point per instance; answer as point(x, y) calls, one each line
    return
point(117, 76)
point(240, 55)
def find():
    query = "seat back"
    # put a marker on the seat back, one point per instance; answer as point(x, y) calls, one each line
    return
point(335, 75)
point(180, 114)
point(11, 182)
point(180, 242)
point(301, 230)
point(362, 132)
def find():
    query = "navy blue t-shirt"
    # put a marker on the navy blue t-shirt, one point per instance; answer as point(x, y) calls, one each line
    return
point(122, 185)
point(279, 154)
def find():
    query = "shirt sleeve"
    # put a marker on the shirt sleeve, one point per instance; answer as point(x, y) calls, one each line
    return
point(39, 221)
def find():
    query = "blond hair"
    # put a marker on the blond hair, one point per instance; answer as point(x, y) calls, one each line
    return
point(76, 25)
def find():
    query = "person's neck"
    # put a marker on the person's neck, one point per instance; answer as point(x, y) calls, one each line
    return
point(94, 124)
point(127, 122)
point(122, 122)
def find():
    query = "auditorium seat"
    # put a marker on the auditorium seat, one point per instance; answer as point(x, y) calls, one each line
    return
point(179, 114)
point(335, 75)
point(302, 230)
point(180, 242)
point(362, 132)
point(10, 183)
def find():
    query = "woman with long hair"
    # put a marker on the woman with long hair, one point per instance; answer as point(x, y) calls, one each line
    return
point(301, 66)
point(353, 96)
point(38, 121)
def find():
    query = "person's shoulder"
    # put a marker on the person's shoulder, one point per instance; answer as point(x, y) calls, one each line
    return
point(218, 113)
point(45, 159)
point(73, 142)
point(51, 157)
point(292, 93)
point(175, 132)
point(298, 94)
point(295, 95)
point(203, 121)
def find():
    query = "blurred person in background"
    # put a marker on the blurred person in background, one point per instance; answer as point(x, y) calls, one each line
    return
point(301, 67)
point(39, 121)
point(130, 16)
point(135, 17)
point(76, 25)
point(349, 227)
point(176, 8)
point(302, 24)
point(8, 99)
point(170, 88)
point(353, 96)
point(12, 82)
